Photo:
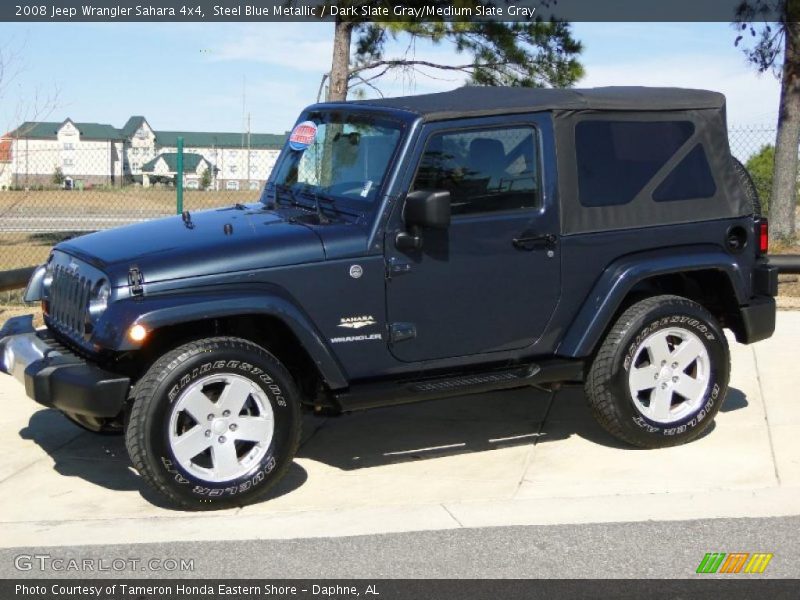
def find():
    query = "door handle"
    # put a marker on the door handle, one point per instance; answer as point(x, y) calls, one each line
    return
point(531, 242)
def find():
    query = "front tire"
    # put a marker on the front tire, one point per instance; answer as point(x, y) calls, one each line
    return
point(214, 424)
point(661, 373)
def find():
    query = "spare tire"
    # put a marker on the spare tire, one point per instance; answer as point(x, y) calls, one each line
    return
point(749, 187)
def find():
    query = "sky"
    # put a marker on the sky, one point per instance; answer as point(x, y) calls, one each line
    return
point(207, 76)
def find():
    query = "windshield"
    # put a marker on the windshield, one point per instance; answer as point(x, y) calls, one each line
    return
point(338, 156)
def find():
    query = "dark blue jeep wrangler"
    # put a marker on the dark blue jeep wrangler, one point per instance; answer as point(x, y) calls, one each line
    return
point(408, 249)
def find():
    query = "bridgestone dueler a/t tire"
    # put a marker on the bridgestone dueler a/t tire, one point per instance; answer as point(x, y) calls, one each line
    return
point(607, 389)
point(153, 397)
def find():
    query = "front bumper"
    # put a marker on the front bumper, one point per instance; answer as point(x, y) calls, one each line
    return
point(55, 377)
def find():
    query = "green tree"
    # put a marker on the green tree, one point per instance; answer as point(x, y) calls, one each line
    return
point(760, 166)
point(770, 30)
point(205, 179)
point(530, 53)
point(58, 176)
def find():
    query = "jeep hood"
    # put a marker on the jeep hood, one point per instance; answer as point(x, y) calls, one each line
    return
point(208, 242)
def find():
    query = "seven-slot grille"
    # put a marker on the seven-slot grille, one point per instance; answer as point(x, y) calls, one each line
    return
point(68, 300)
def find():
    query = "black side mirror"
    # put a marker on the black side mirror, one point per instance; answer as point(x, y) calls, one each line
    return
point(423, 208)
point(426, 208)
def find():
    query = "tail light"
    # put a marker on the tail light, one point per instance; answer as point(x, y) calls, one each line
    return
point(763, 236)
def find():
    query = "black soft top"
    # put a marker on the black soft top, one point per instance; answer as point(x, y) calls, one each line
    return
point(480, 101)
point(700, 112)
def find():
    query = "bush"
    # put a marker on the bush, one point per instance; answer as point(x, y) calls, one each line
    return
point(58, 176)
point(760, 166)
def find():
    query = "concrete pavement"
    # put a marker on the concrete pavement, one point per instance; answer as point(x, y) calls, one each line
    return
point(512, 458)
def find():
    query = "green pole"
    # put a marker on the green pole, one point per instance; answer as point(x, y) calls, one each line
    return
point(179, 182)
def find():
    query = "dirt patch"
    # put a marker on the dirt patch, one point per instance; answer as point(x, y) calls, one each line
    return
point(789, 286)
point(7, 312)
point(108, 201)
point(33, 222)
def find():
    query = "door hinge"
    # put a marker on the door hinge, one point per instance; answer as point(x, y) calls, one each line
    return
point(400, 332)
point(135, 281)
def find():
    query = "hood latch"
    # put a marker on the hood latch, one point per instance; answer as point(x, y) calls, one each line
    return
point(135, 281)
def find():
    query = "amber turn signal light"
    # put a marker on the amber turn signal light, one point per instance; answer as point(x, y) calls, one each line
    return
point(137, 333)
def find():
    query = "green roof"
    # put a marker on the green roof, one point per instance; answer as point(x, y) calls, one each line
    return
point(191, 139)
point(131, 126)
point(207, 139)
point(190, 162)
point(49, 129)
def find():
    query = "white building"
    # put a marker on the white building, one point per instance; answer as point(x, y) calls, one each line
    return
point(87, 154)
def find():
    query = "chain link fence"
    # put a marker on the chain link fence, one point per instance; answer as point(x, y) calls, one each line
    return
point(747, 142)
point(50, 193)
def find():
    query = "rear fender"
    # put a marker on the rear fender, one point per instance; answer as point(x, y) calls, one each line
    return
point(621, 276)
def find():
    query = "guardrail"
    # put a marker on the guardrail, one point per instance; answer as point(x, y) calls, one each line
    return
point(786, 263)
point(15, 279)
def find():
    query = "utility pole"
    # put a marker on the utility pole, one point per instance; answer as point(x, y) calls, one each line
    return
point(247, 162)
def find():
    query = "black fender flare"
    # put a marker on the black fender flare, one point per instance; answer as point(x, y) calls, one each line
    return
point(166, 309)
point(619, 278)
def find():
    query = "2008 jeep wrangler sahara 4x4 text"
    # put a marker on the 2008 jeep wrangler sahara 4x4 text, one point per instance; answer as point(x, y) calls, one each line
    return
point(408, 249)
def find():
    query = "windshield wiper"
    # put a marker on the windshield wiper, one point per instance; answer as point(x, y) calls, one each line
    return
point(323, 220)
point(287, 189)
point(290, 191)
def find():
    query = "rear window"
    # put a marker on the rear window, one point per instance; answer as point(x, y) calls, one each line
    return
point(617, 159)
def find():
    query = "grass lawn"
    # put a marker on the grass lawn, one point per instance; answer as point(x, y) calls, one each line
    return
point(28, 249)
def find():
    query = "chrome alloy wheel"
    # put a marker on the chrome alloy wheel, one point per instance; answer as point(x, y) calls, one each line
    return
point(221, 427)
point(669, 375)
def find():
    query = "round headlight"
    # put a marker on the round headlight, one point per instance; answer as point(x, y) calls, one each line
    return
point(99, 299)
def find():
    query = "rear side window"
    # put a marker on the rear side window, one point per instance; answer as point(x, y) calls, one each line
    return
point(485, 170)
point(691, 179)
point(617, 159)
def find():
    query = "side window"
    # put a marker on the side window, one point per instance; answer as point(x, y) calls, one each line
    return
point(484, 170)
point(616, 159)
point(691, 179)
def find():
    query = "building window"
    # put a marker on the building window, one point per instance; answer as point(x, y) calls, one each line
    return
point(254, 185)
point(232, 185)
point(69, 146)
point(233, 168)
point(68, 162)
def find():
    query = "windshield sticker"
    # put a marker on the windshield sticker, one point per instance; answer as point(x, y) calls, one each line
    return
point(303, 135)
point(365, 190)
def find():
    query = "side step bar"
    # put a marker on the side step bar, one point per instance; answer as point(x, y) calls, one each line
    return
point(391, 392)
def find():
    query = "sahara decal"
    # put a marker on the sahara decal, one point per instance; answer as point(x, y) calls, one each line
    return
point(357, 322)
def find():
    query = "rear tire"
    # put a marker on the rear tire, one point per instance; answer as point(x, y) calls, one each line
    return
point(214, 424)
point(661, 373)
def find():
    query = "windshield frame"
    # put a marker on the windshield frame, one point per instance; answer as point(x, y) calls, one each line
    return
point(342, 204)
